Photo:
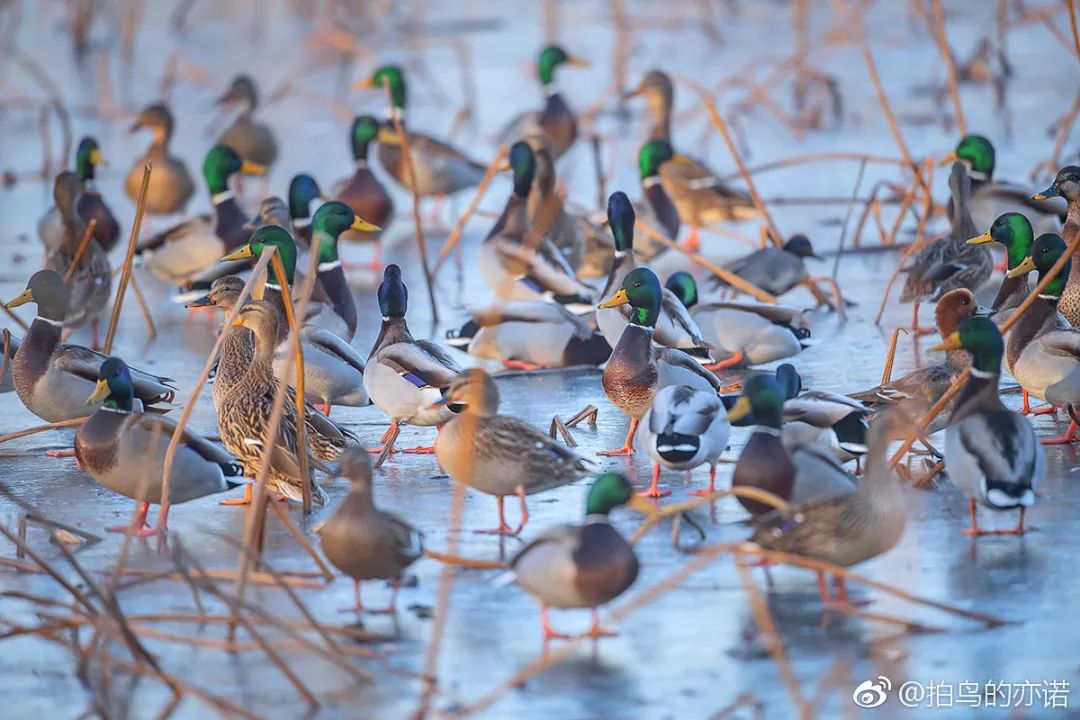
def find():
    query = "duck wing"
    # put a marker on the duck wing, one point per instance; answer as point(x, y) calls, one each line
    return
point(197, 225)
point(679, 359)
point(85, 363)
point(421, 361)
point(528, 312)
point(333, 345)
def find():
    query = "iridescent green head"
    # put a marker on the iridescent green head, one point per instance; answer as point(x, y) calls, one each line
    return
point(267, 236)
point(652, 155)
point(608, 492)
point(1013, 230)
point(762, 397)
point(303, 190)
point(220, 164)
point(641, 291)
point(552, 57)
point(331, 219)
point(978, 152)
point(980, 337)
point(87, 158)
point(523, 165)
point(365, 129)
point(621, 218)
point(393, 294)
point(114, 385)
point(1045, 252)
point(684, 286)
point(391, 74)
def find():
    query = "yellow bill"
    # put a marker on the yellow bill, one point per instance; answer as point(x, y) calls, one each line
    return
point(96, 157)
point(363, 225)
point(363, 84)
point(252, 168)
point(984, 238)
point(952, 342)
point(577, 62)
point(948, 159)
point(241, 253)
point(388, 136)
point(643, 506)
point(1026, 266)
point(101, 391)
point(616, 300)
point(740, 409)
point(26, 296)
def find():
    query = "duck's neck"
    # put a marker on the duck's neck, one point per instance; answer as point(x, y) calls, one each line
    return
point(260, 373)
point(333, 281)
point(624, 263)
point(660, 116)
point(980, 393)
point(1009, 288)
point(393, 330)
point(1068, 233)
point(1029, 326)
point(513, 218)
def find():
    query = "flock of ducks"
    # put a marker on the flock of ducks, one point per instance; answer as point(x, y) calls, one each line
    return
point(569, 293)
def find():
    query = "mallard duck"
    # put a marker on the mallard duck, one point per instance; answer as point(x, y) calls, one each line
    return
point(362, 191)
point(124, 450)
point(991, 198)
point(789, 381)
point(546, 208)
point(656, 206)
point(599, 247)
point(1041, 354)
point(361, 540)
point(91, 285)
point(638, 368)
point(498, 454)
point(244, 415)
point(53, 379)
point(332, 220)
point(305, 197)
point(254, 142)
point(405, 377)
point(674, 327)
point(929, 383)
point(581, 566)
point(825, 419)
point(179, 253)
point(440, 168)
point(1012, 230)
point(327, 438)
point(807, 472)
point(774, 269)
point(1067, 185)
point(90, 204)
point(517, 271)
point(700, 196)
point(990, 453)
point(556, 122)
point(171, 186)
point(846, 529)
point(948, 262)
point(683, 429)
point(530, 336)
point(743, 333)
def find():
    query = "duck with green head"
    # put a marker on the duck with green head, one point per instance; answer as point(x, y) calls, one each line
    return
point(440, 169)
point(405, 377)
point(555, 122)
point(699, 195)
point(253, 141)
point(638, 367)
point(331, 222)
point(991, 197)
point(581, 566)
point(1042, 353)
point(657, 208)
point(124, 450)
point(515, 270)
point(1013, 231)
point(743, 333)
point(1067, 185)
point(305, 197)
point(90, 204)
point(53, 379)
point(178, 254)
point(546, 207)
point(171, 186)
point(991, 453)
point(362, 191)
point(674, 327)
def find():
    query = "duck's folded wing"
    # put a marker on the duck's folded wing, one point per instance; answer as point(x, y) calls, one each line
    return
point(334, 345)
point(86, 363)
point(925, 383)
point(526, 311)
point(561, 540)
point(678, 358)
point(408, 542)
point(783, 314)
point(1006, 450)
point(684, 411)
point(211, 452)
point(1062, 343)
point(820, 411)
point(503, 436)
point(544, 268)
point(198, 224)
point(438, 152)
point(422, 362)
point(680, 316)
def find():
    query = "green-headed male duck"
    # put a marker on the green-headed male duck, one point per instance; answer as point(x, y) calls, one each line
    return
point(1067, 185)
point(362, 191)
point(556, 122)
point(90, 204)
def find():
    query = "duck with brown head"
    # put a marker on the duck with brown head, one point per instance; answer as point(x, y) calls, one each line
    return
point(171, 186)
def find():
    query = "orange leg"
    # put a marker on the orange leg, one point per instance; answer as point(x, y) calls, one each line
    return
point(549, 632)
point(521, 365)
point(138, 528)
point(325, 408)
point(376, 257)
point(628, 446)
point(654, 490)
point(730, 362)
point(94, 340)
point(692, 243)
point(162, 527)
point(823, 588)
point(420, 450)
point(243, 500)
point(358, 605)
point(915, 328)
point(975, 531)
point(504, 528)
point(69, 452)
point(842, 597)
point(386, 436)
point(1069, 436)
point(712, 484)
point(390, 609)
point(596, 630)
point(1026, 409)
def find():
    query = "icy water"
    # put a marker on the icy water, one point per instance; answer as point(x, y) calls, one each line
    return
point(694, 650)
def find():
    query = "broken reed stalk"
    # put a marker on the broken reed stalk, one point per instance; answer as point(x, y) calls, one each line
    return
point(254, 577)
point(1072, 26)
point(41, 428)
point(835, 156)
point(890, 118)
point(933, 412)
point(909, 251)
point(950, 64)
point(752, 493)
point(5, 359)
point(81, 250)
point(890, 356)
point(455, 235)
point(721, 126)
point(189, 406)
point(129, 258)
point(465, 562)
point(766, 625)
point(724, 274)
point(410, 175)
point(301, 539)
point(143, 308)
point(298, 352)
point(14, 318)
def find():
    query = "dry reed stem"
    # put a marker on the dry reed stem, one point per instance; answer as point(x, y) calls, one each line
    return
point(73, 422)
point(890, 118)
point(724, 274)
point(15, 318)
point(410, 175)
point(753, 493)
point(950, 65)
point(255, 577)
point(136, 227)
point(1064, 128)
point(80, 251)
point(39, 76)
point(143, 308)
point(181, 423)
point(767, 626)
point(1073, 28)
point(471, 563)
point(5, 358)
point(890, 356)
point(908, 252)
point(834, 156)
point(721, 126)
point(301, 539)
point(48, 568)
point(455, 235)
